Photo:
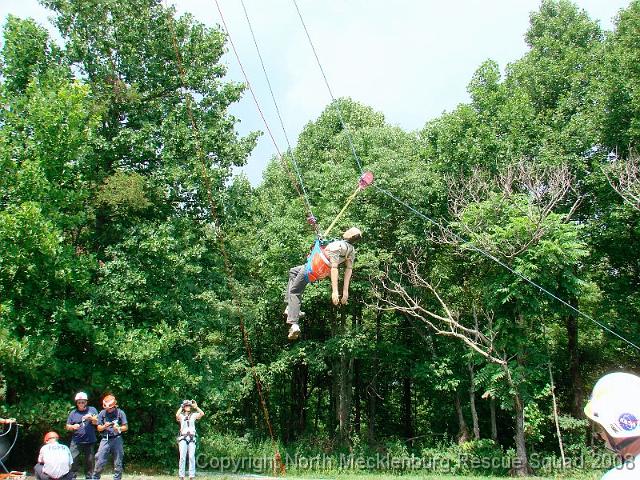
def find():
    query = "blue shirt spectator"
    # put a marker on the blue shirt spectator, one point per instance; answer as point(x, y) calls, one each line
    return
point(87, 431)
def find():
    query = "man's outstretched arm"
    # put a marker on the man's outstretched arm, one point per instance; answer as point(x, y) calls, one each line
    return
point(348, 270)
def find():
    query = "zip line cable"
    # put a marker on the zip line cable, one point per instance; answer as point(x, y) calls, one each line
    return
point(436, 223)
point(221, 243)
point(301, 192)
point(471, 246)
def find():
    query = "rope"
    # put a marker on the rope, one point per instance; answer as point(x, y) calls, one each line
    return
point(301, 191)
point(434, 222)
point(335, 220)
point(326, 82)
point(221, 243)
point(13, 444)
point(275, 104)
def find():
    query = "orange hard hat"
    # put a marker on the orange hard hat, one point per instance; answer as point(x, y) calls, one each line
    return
point(51, 436)
point(109, 401)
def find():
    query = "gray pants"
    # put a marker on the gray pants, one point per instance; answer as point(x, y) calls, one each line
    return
point(190, 449)
point(88, 452)
point(115, 447)
point(297, 283)
point(40, 475)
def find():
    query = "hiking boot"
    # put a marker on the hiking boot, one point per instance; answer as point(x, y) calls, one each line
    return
point(294, 332)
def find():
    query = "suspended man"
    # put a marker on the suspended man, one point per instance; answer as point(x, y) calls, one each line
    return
point(321, 263)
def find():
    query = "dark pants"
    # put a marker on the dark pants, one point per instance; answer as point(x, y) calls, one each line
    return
point(40, 475)
point(87, 450)
point(110, 446)
point(297, 283)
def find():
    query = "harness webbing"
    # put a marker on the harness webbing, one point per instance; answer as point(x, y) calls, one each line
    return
point(221, 242)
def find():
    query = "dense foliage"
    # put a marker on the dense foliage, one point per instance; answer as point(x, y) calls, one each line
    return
point(112, 208)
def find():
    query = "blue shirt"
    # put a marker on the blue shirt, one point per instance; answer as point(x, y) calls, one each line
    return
point(116, 416)
point(87, 431)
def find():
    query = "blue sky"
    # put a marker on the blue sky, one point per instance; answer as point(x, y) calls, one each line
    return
point(410, 59)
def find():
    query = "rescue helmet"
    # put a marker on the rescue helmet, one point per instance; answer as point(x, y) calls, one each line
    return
point(615, 405)
point(81, 396)
point(109, 401)
point(186, 403)
point(51, 436)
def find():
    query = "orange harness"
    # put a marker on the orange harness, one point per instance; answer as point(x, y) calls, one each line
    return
point(318, 265)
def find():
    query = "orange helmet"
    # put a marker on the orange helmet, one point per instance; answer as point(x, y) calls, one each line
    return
point(109, 401)
point(51, 436)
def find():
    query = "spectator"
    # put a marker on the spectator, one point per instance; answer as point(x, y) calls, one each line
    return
point(82, 421)
point(112, 423)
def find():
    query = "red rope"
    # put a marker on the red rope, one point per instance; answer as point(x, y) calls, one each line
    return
point(227, 264)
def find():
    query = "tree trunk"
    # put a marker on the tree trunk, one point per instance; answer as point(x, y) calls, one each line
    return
point(298, 419)
point(371, 413)
point(522, 468)
point(356, 396)
point(472, 402)
point(463, 430)
point(345, 399)
point(575, 378)
point(372, 395)
point(335, 371)
point(494, 424)
point(407, 419)
point(344, 390)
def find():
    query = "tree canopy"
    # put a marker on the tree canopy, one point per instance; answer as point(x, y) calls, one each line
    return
point(117, 151)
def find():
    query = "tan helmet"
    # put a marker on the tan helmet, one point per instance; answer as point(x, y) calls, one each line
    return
point(352, 235)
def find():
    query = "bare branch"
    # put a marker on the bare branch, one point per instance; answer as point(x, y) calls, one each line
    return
point(624, 178)
point(392, 295)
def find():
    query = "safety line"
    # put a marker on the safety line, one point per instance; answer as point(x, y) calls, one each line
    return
point(310, 217)
point(221, 243)
point(326, 81)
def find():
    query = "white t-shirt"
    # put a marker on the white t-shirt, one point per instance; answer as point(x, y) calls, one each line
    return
point(339, 251)
point(188, 423)
point(56, 458)
point(627, 471)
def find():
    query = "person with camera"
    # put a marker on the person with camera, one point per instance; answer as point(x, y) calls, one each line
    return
point(112, 423)
point(186, 416)
point(81, 422)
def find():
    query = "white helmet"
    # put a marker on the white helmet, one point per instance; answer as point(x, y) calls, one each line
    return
point(81, 396)
point(615, 404)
